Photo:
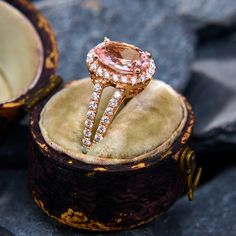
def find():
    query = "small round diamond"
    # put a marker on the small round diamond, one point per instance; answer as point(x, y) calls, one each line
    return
point(124, 79)
point(91, 114)
point(84, 149)
point(117, 94)
point(87, 133)
point(115, 78)
point(97, 87)
point(113, 102)
point(86, 141)
point(99, 71)
point(93, 67)
point(152, 64)
point(149, 76)
point(133, 80)
point(98, 137)
point(105, 120)
point(109, 111)
point(142, 78)
point(89, 124)
point(106, 75)
point(93, 105)
point(89, 59)
point(151, 71)
point(94, 96)
point(101, 128)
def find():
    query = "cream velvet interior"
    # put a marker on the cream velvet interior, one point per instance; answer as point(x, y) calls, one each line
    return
point(21, 53)
point(150, 121)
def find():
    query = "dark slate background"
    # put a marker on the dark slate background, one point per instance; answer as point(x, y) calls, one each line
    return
point(194, 45)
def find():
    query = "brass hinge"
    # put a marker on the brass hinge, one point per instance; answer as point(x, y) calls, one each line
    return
point(188, 166)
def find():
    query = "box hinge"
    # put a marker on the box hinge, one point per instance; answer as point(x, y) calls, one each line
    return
point(193, 173)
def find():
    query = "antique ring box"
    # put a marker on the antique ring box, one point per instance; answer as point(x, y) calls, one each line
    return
point(28, 59)
point(132, 176)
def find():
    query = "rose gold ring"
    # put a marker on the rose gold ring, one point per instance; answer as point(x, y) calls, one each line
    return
point(123, 66)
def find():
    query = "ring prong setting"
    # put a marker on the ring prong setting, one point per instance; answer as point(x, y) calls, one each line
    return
point(137, 71)
point(148, 54)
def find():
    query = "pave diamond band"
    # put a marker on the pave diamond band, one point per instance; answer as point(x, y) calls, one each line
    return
point(109, 114)
point(123, 66)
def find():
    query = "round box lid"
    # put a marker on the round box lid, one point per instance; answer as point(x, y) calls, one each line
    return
point(149, 122)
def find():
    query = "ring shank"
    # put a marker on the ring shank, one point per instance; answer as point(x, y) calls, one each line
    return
point(111, 110)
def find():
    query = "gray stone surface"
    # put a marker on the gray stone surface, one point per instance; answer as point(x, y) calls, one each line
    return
point(5, 232)
point(212, 213)
point(81, 24)
point(200, 13)
point(212, 92)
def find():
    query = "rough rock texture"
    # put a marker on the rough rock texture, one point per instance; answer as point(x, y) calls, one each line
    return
point(200, 13)
point(147, 24)
point(5, 232)
point(212, 92)
point(212, 213)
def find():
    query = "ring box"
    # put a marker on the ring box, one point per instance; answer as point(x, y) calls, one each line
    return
point(28, 59)
point(114, 190)
point(100, 195)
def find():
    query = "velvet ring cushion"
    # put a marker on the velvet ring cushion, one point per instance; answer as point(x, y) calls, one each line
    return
point(21, 53)
point(149, 123)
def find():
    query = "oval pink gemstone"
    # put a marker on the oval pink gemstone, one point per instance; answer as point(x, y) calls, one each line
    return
point(121, 57)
